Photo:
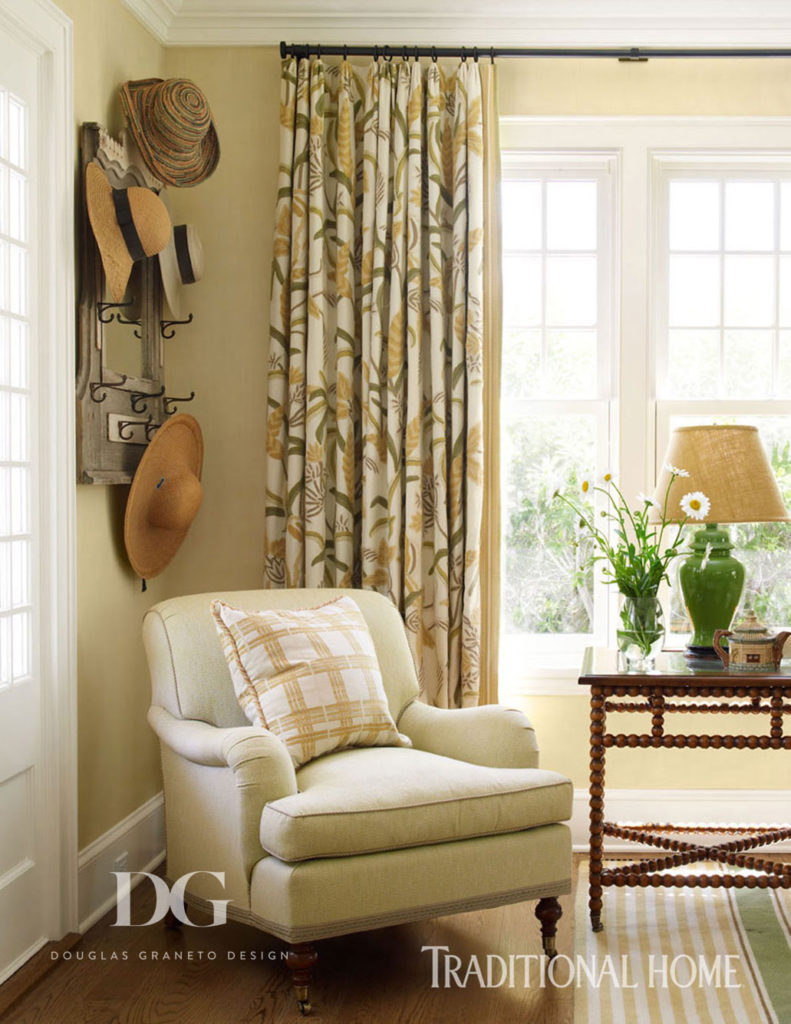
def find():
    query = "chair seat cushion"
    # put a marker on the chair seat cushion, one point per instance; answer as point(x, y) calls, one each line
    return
point(383, 798)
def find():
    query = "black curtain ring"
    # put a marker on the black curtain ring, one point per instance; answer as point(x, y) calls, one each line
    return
point(434, 54)
point(388, 54)
point(404, 55)
point(318, 51)
point(464, 54)
point(491, 54)
point(417, 54)
point(345, 52)
point(475, 54)
point(376, 54)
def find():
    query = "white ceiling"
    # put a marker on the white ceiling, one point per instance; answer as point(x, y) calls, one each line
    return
point(469, 22)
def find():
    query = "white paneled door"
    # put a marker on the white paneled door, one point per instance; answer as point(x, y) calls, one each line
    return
point(31, 910)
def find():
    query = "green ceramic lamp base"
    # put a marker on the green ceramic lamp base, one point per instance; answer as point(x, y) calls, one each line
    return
point(712, 581)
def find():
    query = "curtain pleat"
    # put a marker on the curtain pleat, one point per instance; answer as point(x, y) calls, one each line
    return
point(375, 384)
point(492, 350)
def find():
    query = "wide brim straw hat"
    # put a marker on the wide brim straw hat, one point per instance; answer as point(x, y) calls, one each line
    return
point(180, 262)
point(165, 495)
point(172, 125)
point(128, 224)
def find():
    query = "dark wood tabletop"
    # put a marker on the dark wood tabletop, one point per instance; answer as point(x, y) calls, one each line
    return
point(601, 666)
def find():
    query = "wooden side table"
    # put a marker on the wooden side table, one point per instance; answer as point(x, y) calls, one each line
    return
point(674, 691)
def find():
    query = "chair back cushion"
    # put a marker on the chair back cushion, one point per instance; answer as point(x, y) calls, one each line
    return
point(189, 673)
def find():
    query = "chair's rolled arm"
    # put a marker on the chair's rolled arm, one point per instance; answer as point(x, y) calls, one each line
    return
point(257, 756)
point(491, 735)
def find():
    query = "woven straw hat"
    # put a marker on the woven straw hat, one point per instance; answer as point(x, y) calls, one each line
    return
point(165, 495)
point(171, 123)
point(128, 223)
point(180, 262)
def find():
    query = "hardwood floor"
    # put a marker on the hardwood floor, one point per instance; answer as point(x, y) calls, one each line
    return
point(133, 975)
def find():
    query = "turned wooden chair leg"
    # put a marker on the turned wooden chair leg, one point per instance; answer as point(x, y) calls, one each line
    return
point(549, 912)
point(301, 959)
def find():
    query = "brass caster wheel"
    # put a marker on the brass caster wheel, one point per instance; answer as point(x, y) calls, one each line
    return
point(304, 1006)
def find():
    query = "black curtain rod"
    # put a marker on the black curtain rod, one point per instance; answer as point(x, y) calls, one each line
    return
point(632, 53)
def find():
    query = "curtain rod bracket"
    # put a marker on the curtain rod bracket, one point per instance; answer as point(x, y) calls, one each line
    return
point(634, 57)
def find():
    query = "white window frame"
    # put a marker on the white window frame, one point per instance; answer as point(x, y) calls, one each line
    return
point(47, 32)
point(547, 655)
point(701, 165)
point(640, 430)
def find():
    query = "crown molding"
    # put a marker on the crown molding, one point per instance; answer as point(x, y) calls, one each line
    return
point(158, 16)
point(498, 23)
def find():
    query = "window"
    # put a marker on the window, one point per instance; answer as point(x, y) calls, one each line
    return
point(692, 323)
point(723, 330)
point(557, 386)
point(16, 530)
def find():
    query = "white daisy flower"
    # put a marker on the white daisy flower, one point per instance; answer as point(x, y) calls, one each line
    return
point(585, 486)
point(695, 505)
point(675, 471)
point(643, 499)
point(608, 477)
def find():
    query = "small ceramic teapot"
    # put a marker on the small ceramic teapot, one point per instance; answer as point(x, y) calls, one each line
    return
point(750, 647)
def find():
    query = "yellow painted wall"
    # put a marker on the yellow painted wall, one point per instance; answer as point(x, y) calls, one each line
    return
point(118, 760)
point(222, 358)
point(684, 87)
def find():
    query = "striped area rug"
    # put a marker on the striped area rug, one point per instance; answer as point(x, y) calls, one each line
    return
point(666, 956)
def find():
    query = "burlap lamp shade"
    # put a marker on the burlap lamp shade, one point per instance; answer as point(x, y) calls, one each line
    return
point(165, 495)
point(729, 464)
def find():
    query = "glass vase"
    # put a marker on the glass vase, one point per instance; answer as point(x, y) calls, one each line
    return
point(641, 631)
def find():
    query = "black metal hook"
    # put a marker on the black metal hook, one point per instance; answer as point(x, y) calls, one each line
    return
point(102, 307)
point(166, 326)
point(139, 399)
point(404, 55)
point(387, 54)
point(464, 54)
point(171, 400)
point(150, 428)
point(376, 54)
point(132, 323)
point(126, 428)
point(417, 54)
point(434, 54)
point(101, 385)
point(475, 54)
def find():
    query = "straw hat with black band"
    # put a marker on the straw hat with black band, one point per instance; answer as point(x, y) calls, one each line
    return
point(180, 262)
point(128, 223)
point(172, 125)
point(165, 495)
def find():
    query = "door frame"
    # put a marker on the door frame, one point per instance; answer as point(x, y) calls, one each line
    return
point(47, 31)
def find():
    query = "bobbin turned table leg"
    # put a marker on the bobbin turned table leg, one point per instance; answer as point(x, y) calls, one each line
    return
point(597, 716)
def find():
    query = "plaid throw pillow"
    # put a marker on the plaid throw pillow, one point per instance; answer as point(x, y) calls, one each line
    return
point(309, 675)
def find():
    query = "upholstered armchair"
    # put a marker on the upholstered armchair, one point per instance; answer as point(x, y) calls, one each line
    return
point(357, 839)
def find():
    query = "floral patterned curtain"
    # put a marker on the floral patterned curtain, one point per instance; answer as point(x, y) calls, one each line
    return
point(374, 439)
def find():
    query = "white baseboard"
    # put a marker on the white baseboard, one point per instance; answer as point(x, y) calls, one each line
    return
point(715, 806)
point(142, 836)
